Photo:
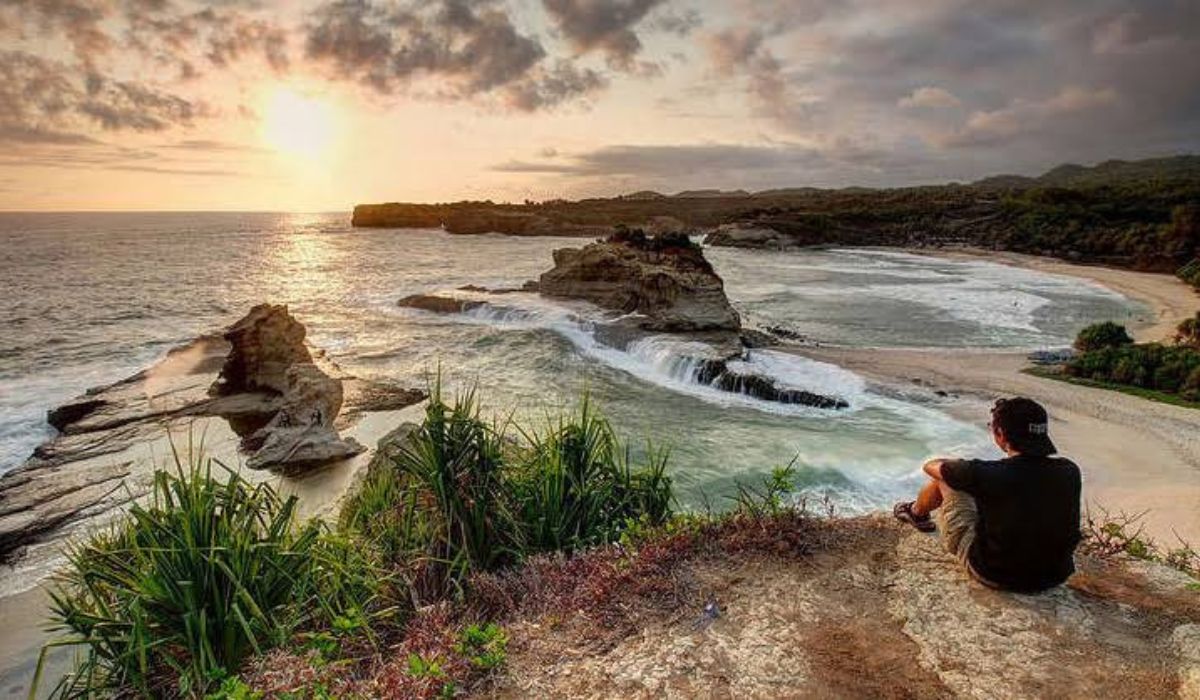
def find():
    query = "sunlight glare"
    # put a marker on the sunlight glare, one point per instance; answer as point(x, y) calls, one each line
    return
point(297, 124)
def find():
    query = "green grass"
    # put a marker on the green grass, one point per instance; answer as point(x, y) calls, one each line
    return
point(1150, 394)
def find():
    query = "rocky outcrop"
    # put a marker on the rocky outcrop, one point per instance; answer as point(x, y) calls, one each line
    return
point(718, 374)
point(740, 235)
point(301, 435)
point(439, 304)
point(665, 279)
point(870, 611)
point(285, 404)
point(263, 345)
point(471, 218)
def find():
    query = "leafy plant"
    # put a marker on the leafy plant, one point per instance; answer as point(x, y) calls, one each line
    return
point(484, 646)
point(454, 467)
point(768, 498)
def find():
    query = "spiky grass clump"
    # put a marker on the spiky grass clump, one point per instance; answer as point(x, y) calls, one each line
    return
point(577, 485)
point(211, 570)
point(462, 496)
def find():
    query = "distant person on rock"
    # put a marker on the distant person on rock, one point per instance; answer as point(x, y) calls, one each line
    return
point(1013, 522)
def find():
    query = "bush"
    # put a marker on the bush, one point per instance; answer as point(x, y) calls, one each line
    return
point(1191, 386)
point(1188, 331)
point(577, 487)
point(1102, 335)
point(174, 599)
point(1169, 369)
point(208, 572)
point(1190, 273)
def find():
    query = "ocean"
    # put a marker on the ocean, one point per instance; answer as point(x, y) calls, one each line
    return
point(90, 298)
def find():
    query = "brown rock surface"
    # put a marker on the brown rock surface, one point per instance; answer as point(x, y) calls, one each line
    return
point(664, 278)
point(878, 612)
point(265, 343)
point(98, 463)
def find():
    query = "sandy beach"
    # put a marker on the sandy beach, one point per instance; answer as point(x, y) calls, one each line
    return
point(1170, 300)
point(1137, 455)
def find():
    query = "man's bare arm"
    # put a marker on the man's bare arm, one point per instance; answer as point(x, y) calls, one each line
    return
point(934, 468)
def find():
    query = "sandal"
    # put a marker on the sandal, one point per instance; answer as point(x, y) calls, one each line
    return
point(903, 512)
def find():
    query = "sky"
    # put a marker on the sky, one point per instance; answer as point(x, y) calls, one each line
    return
point(315, 105)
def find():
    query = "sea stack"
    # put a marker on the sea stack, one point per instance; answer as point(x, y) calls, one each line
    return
point(663, 278)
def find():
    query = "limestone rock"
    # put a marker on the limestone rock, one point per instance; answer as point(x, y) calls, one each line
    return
point(301, 436)
point(272, 392)
point(665, 279)
point(740, 235)
point(439, 304)
point(265, 343)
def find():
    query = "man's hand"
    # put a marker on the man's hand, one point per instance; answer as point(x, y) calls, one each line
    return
point(934, 468)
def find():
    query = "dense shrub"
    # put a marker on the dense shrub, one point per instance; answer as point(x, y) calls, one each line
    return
point(215, 569)
point(1102, 335)
point(1170, 369)
point(1188, 331)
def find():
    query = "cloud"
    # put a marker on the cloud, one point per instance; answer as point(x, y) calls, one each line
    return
point(124, 105)
point(219, 36)
point(44, 101)
point(23, 134)
point(548, 88)
point(1025, 116)
point(474, 45)
point(80, 21)
point(606, 26)
point(742, 50)
point(212, 146)
point(929, 98)
point(667, 160)
point(672, 167)
point(107, 158)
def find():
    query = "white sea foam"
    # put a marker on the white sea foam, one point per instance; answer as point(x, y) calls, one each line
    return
point(670, 362)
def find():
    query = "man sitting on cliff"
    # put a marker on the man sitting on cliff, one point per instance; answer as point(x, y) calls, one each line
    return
point(1014, 522)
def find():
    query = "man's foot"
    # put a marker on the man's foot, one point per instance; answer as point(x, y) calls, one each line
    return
point(904, 513)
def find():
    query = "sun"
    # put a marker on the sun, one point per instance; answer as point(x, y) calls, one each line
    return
point(297, 124)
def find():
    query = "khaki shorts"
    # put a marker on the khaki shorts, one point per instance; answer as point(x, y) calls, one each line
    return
point(956, 520)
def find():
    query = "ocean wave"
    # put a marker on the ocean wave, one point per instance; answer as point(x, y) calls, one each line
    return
point(671, 362)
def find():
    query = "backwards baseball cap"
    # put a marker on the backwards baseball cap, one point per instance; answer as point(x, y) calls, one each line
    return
point(1025, 425)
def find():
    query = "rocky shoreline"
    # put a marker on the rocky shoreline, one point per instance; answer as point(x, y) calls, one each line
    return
point(281, 404)
point(655, 285)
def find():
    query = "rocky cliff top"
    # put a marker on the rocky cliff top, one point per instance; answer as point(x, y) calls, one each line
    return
point(853, 609)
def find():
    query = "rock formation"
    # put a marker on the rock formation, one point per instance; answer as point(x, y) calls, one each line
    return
point(275, 395)
point(665, 279)
point(739, 235)
point(439, 304)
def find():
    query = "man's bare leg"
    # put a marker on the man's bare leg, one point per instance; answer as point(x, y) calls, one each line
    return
point(928, 500)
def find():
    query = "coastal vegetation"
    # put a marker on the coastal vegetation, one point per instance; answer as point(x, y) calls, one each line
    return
point(462, 528)
point(213, 569)
point(1143, 215)
point(1108, 356)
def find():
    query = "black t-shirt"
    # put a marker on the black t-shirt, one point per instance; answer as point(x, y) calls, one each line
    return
point(1028, 518)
